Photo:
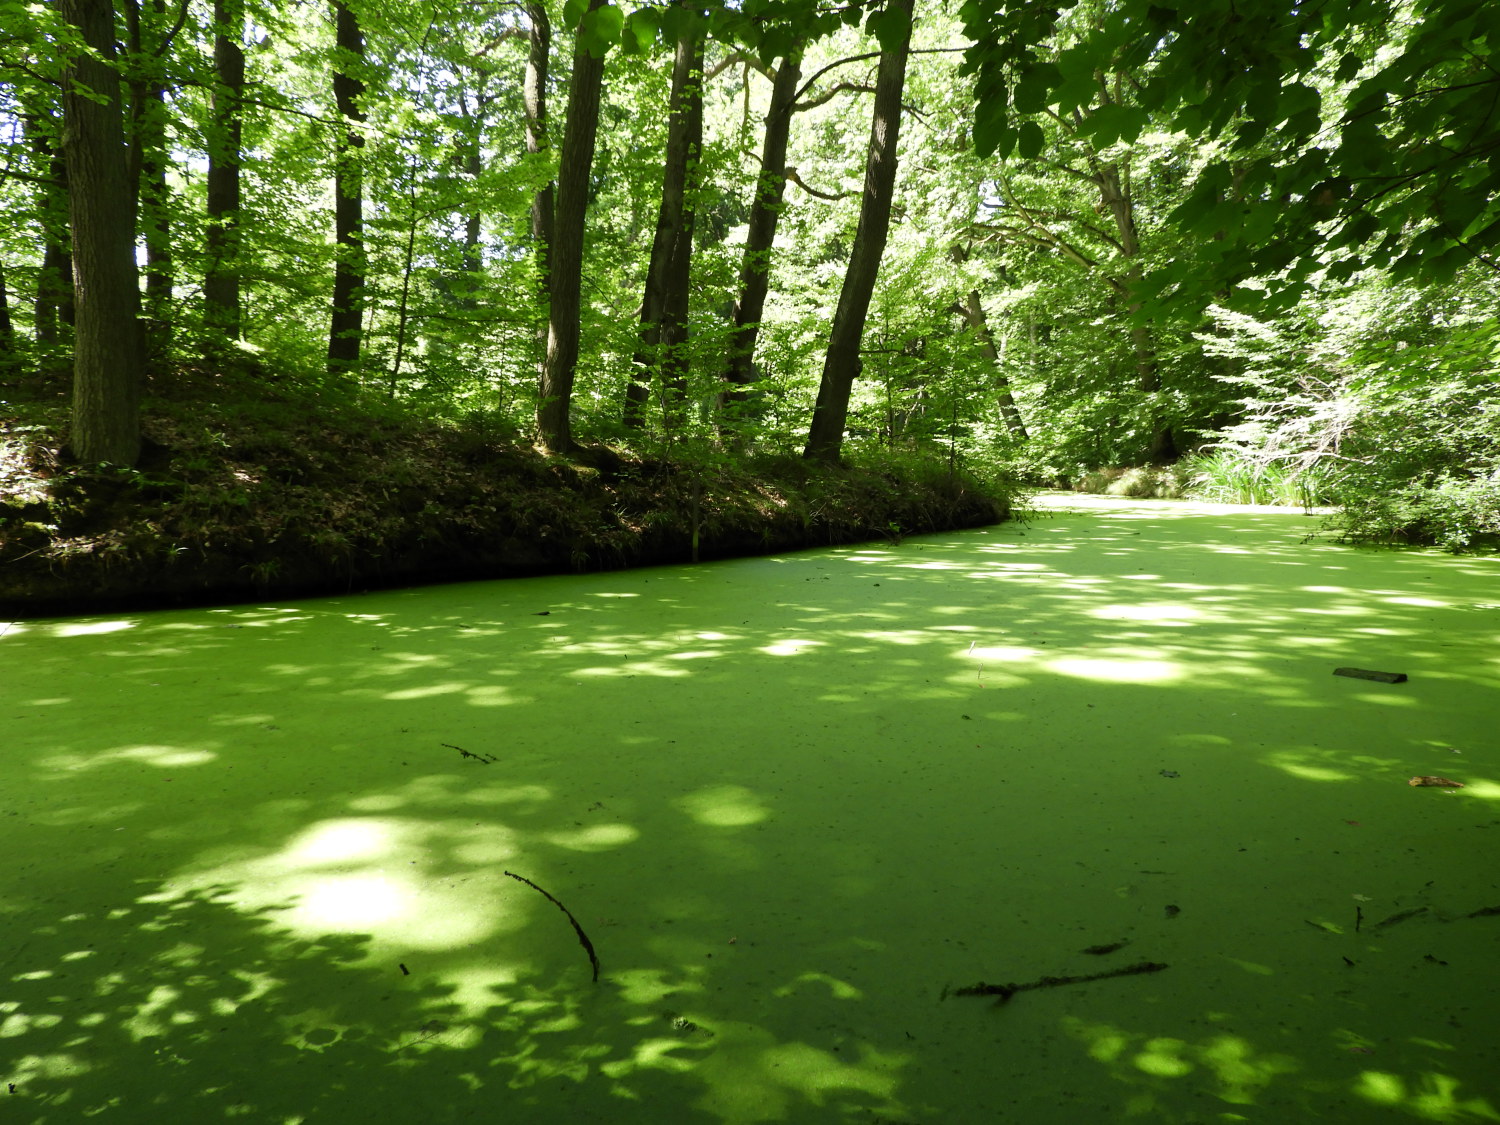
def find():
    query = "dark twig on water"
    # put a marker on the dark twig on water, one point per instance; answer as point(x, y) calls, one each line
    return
point(485, 758)
point(583, 938)
point(1006, 991)
point(1401, 917)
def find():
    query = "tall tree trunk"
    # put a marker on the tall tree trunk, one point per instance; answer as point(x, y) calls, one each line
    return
point(221, 282)
point(760, 237)
point(534, 97)
point(565, 266)
point(106, 349)
point(842, 364)
point(346, 324)
point(678, 282)
point(664, 300)
point(973, 312)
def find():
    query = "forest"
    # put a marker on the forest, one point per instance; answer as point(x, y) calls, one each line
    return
point(383, 290)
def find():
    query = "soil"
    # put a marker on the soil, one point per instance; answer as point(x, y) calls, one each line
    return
point(247, 491)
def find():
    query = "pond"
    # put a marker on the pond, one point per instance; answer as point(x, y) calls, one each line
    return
point(272, 861)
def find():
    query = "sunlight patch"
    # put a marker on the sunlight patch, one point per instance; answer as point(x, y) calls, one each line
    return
point(163, 757)
point(789, 647)
point(1298, 766)
point(724, 806)
point(595, 838)
point(340, 841)
point(1118, 671)
point(89, 628)
point(1151, 612)
point(350, 903)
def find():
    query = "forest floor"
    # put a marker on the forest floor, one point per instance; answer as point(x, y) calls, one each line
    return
point(249, 487)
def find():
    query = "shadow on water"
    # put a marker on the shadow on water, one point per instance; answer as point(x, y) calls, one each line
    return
point(257, 856)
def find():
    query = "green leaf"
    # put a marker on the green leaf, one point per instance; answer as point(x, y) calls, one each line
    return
point(890, 26)
point(1031, 139)
point(1034, 90)
point(641, 28)
point(600, 29)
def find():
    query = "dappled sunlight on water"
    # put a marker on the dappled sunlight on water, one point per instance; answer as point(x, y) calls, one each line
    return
point(793, 802)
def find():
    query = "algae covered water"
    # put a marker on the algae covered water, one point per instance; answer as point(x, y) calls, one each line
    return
point(257, 857)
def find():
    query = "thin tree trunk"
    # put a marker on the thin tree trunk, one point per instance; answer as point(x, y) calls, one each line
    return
point(7, 329)
point(221, 282)
point(106, 350)
point(534, 97)
point(346, 323)
point(973, 312)
point(760, 237)
point(664, 299)
point(565, 272)
point(841, 366)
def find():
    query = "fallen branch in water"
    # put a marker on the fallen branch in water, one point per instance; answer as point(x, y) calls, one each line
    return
point(583, 938)
point(1006, 991)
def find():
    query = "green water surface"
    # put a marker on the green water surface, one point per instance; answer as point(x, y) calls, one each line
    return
point(253, 859)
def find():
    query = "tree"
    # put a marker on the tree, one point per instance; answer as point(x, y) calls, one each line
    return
point(1354, 132)
point(760, 235)
point(346, 324)
point(663, 329)
point(534, 101)
point(842, 363)
point(107, 372)
point(221, 282)
point(565, 255)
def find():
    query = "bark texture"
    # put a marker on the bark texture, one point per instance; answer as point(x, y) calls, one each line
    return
point(106, 346)
point(841, 366)
point(664, 303)
point(221, 282)
point(565, 272)
point(760, 237)
point(346, 323)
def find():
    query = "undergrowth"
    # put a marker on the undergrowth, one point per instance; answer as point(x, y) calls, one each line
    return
point(245, 489)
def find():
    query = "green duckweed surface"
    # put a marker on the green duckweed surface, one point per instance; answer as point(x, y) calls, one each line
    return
point(255, 857)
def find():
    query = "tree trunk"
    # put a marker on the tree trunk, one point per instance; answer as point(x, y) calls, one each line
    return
point(106, 349)
point(664, 301)
point(676, 298)
point(7, 329)
point(841, 366)
point(534, 97)
point(346, 324)
point(973, 312)
point(565, 272)
point(221, 282)
point(765, 213)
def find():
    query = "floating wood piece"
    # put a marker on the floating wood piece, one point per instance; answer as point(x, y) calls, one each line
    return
point(1006, 991)
point(1366, 674)
point(1436, 782)
point(583, 938)
point(1401, 917)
